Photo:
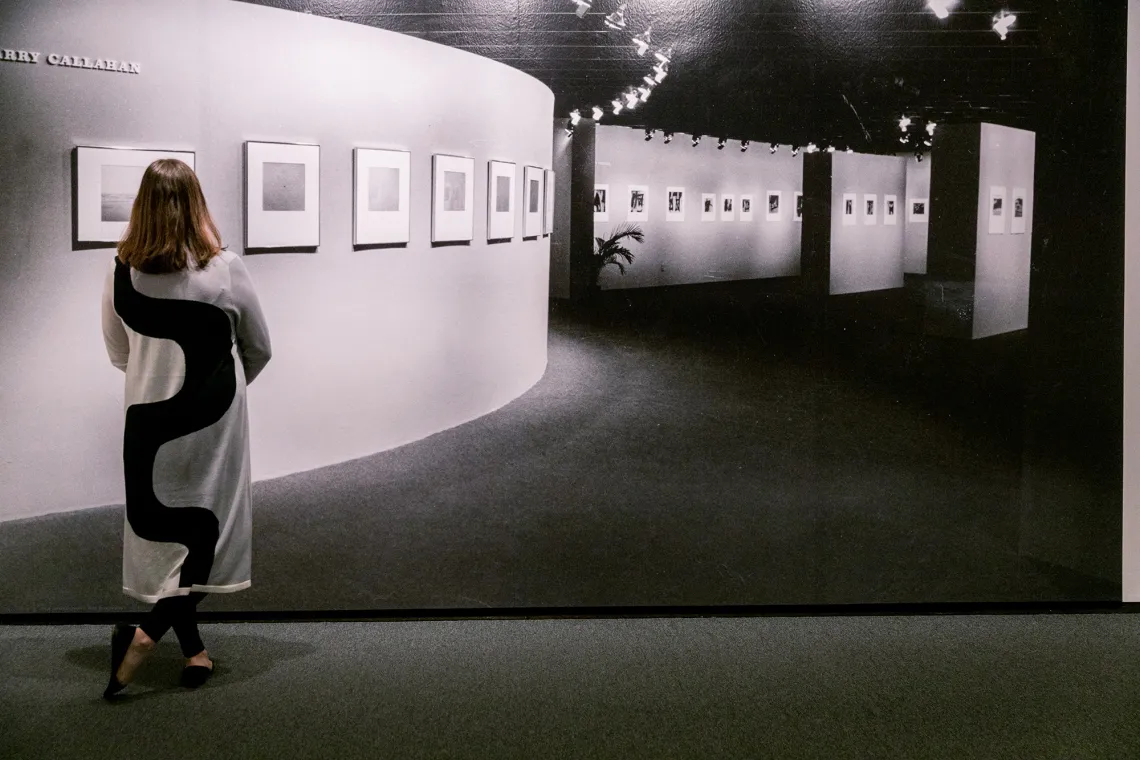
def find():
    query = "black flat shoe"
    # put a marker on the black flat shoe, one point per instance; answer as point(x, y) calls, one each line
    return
point(194, 676)
point(121, 638)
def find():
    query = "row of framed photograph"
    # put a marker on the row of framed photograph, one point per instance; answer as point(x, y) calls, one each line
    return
point(869, 210)
point(282, 195)
point(1016, 211)
point(713, 207)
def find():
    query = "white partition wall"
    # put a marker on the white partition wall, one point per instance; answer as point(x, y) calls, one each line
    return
point(374, 346)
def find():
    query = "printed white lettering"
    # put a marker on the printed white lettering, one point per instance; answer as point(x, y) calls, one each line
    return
point(53, 59)
point(24, 57)
point(135, 68)
point(10, 55)
point(35, 57)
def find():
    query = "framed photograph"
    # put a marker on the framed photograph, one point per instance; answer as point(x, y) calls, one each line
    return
point(997, 210)
point(533, 201)
point(890, 209)
point(381, 210)
point(638, 203)
point(601, 203)
point(282, 195)
point(548, 204)
point(107, 181)
point(775, 205)
point(798, 212)
point(919, 210)
point(708, 207)
point(1018, 221)
point(453, 199)
point(870, 209)
point(501, 200)
point(675, 208)
point(728, 208)
point(747, 207)
point(848, 209)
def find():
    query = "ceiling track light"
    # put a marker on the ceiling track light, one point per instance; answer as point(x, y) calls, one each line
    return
point(649, 134)
point(830, 148)
point(941, 8)
point(583, 7)
point(744, 145)
point(904, 123)
point(569, 131)
point(773, 147)
point(644, 92)
point(668, 138)
point(918, 156)
point(618, 106)
point(721, 143)
point(930, 127)
point(664, 55)
point(811, 148)
point(575, 117)
point(598, 113)
point(644, 41)
point(696, 140)
point(616, 20)
point(1002, 22)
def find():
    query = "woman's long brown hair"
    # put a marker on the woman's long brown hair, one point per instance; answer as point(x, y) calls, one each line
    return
point(170, 226)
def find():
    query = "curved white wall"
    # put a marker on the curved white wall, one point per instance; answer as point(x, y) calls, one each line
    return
point(372, 349)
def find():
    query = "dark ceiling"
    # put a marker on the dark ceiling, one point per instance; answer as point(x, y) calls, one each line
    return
point(832, 71)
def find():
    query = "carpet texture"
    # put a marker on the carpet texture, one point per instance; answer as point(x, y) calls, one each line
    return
point(986, 687)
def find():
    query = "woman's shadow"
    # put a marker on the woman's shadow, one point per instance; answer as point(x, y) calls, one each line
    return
point(237, 658)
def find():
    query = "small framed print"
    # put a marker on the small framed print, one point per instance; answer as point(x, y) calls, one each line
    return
point(381, 210)
point(282, 195)
point(728, 208)
point(870, 209)
point(601, 203)
point(890, 209)
point(997, 210)
point(747, 207)
point(708, 207)
point(501, 200)
point(107, 181)
point(548, 204)
point(638, 210)
point(798, 211)
point(1019, 212)
point(848, 209)
point(453, 199)
point(919, 210)
point(775, 205)
point(533, 200)
point(675, 204)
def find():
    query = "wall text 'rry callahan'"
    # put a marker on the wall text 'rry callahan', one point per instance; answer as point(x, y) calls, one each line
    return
point(75, 61)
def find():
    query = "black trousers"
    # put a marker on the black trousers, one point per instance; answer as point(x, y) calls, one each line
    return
point(179, 613)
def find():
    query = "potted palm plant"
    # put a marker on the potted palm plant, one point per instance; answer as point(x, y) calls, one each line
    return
point(611, 251)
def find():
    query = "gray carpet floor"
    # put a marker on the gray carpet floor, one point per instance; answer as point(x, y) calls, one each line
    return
point(652, 465)
point(986, 687)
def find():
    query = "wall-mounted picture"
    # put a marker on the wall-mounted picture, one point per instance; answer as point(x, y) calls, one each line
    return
point(501, 200)
point(452, 199)
point(107, 181)
point(870, 209)
point(548, 202)
point(997, 210)
point(638, 209)
point(798, 212)
point(919, 210)
point(675, 208)
point(601, 203)
point(1018, 221)
point(708, 207)
point(775, 211)
point(282, 195)
point(890, 209)
point(533, 201)
point(381, 209)
point(728, 208)
point(747, 208)
point(847, 210)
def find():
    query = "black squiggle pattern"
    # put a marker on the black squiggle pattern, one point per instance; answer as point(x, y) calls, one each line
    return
point(202, 330)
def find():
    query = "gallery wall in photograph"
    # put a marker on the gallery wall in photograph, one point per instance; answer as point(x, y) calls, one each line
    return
point(865, 255)
point(501, 200)
point(453, 199)
point(704, 211)
point(282, 195)
point(382, 200)
point(106, 182)
point(914, 231)
point(533, 201)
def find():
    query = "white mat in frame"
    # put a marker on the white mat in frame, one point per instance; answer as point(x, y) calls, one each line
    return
point(282, 195)
point(453, 199)
point(381, 208)
point(107, 181)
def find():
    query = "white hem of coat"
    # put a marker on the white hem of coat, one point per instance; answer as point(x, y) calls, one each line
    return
point(152, 598)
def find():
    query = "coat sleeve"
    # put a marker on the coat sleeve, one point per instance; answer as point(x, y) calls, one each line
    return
point(114, 334)
point(250, 327)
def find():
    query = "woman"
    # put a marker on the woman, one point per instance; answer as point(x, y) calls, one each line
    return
point(181, 319)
